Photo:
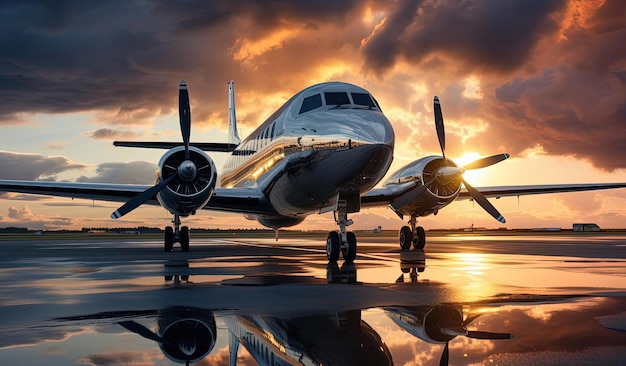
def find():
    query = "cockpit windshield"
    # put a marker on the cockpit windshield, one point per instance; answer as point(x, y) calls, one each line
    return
point(363, 99)
point(336, 98)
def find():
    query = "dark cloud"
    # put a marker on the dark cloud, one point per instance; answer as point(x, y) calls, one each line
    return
point(119, 358)
point(551, 72)
point(480, 35)
point(134, 172)
point(34, 166)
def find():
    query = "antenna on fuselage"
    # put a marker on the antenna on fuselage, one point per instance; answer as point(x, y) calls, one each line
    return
point(233, 135)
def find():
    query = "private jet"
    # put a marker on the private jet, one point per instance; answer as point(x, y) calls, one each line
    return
point(324, 150)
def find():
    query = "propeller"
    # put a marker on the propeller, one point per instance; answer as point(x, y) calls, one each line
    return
point(186, 170)
point(462, 331)
point(137, 328)
point(447, 173)
point(184, 113)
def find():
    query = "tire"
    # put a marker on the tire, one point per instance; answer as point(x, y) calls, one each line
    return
point(333, 245)
point(405, 237)
point(184, 239)
point(349, 253)
point(420, 240)
point(169, 239)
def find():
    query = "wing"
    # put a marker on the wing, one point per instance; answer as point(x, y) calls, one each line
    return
point(508, 191)
point(384, 196)
point(238, 200)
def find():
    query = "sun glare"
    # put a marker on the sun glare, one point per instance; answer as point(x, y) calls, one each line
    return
point(472, 176)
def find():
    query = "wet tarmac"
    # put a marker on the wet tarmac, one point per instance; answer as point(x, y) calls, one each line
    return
point(553, 299)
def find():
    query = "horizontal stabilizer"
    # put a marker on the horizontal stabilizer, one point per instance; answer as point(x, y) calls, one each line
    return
point(206, 146)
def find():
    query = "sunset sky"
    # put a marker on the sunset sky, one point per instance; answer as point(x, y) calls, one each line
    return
point(544, 80)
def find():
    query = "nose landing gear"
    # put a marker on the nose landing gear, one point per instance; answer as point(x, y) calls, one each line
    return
point(342, 241)
point(176, 234)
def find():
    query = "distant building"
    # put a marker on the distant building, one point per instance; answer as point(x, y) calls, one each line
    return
point(586, 227)
point(378, 230)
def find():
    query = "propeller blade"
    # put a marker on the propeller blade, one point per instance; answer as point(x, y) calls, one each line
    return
point(444, 356)
point(485, 162)
point(410, 195)
point(488, 335)
point(441, 134)
point(141, 330)
point(184, 113)
point(140, 199)
point(484, 202)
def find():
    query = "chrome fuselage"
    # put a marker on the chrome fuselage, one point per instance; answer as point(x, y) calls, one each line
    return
point(302, 159)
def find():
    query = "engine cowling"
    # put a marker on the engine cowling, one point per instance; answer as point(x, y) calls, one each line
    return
point(439, 194)
point(193, 187)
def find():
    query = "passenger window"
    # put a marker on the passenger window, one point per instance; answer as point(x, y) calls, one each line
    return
point(310, 103)
point(336, 98)
point(363, 99)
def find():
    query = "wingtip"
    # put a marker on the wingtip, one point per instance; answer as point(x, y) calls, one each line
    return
point(116, 215)
point(436, 100)
point(183, 85)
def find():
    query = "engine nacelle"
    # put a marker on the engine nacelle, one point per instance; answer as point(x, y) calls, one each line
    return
point(193, 187)
point(189, 334)
point(441, 192)
point(278, 222)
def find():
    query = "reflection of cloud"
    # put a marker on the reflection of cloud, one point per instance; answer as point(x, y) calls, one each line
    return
point(221, 357)
point(139, 358)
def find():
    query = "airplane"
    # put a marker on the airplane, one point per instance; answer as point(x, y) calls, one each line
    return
point(324, 150)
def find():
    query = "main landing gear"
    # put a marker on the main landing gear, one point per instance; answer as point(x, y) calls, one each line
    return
point(176, 234)
point(342, 241)
point(414, 235)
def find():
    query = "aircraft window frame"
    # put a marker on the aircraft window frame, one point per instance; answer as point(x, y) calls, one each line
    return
point(272, 131)
point(310, 103)
point(339, 101)
point(362, 99)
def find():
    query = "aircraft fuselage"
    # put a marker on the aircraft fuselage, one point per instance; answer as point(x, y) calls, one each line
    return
point(303, 159)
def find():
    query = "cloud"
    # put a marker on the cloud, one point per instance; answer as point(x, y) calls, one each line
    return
point(26, 218)
point(134, 172)
point(512, 75)
point(110, 134)
point(22, 166)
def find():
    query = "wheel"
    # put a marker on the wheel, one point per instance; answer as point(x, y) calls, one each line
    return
point(333, 274)
point(169, 239)
point(349, 253)
point(420, 240)
point(333, 245)
point(184, 239)
point(405, 237)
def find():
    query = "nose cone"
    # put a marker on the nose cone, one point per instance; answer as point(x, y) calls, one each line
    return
point(367, 127)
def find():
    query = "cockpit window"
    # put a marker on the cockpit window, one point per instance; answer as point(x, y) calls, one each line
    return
point(336, 98)
point(310, 103)
point(363, 99)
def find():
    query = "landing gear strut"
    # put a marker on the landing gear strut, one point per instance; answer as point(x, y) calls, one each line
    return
point(414, 235)
point(342, 241)
point(176, 234)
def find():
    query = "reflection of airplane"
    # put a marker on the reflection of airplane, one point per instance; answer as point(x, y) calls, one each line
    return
point(438, 324)
point(184, 334)
point(329, 339)
point(323, 150)
point(412, 262)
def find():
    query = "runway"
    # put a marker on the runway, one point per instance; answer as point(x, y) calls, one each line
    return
point(476, 298)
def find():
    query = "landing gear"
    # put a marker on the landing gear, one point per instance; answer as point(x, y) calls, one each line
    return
point(169, 239)
point(176, 234)
point(342, 241)
point(414, 235)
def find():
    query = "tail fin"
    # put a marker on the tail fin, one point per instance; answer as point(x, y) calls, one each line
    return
point(233, 135)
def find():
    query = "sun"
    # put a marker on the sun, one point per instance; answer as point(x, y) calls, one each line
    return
point(472, 176)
